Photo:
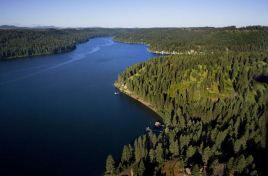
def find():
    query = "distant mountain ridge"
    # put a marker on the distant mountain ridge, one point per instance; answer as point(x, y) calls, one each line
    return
point(12, 27)
point(42, 27)
point(45, 27)
point(17, 27)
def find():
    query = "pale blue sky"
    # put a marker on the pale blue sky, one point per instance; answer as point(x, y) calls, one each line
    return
point(138, 13)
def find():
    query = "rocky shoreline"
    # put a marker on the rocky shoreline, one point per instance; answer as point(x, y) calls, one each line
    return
point(123, 88)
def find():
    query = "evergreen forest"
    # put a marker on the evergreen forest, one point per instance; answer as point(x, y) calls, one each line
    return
point(200, 40)
point(214, 111)
point(31, 42)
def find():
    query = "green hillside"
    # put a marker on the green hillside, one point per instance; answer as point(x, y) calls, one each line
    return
point(213, 109)
point(200, 39)
point(32, 42)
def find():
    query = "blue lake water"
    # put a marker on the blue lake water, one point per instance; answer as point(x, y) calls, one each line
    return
point(59, 114)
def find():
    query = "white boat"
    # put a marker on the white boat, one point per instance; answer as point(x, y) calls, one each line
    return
point(116, 93)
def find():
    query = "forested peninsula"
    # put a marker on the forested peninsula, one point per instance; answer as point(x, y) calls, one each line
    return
point(213, 109)
point(32, 42)
point(199, 40)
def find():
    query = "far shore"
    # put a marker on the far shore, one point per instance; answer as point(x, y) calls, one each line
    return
point(190, 52)
point(154, 52)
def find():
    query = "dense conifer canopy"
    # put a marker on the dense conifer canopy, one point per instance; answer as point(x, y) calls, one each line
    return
point(203, 39)
point(31, 42)
point(213, 109)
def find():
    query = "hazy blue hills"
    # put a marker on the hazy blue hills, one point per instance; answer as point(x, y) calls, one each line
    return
point(42, 27)
point(11, 27)
point(17, 27)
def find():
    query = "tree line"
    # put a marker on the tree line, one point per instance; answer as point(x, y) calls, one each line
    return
point(31, 42)
point(199, 40)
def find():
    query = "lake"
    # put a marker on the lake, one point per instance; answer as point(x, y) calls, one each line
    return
point(59, 113)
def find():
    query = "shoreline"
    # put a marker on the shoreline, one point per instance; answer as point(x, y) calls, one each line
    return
point(136, 97)
point(154, 52)
point(49, 54)
point(190, 52)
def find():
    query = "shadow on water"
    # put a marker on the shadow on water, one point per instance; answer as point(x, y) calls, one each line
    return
point(59, 114)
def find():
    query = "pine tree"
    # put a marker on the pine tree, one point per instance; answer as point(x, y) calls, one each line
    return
point(152, 155)
point(249, 160)
point(206, 154)
point(230, 165)
point(174, 148)
point(181, 165)
point(110, 163)
point(240, 163)
point(150, 135)
point(141, 168)
point(190, 151)
point(182, 122)
point(135, 170)
point(159, 153)
point(195, 171)
point(214, 166)
point(137, 151)
point(154, 140)
point(126, 155)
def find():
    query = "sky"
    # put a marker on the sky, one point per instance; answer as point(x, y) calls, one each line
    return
point(134, 13)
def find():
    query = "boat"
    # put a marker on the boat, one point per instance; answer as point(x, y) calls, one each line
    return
point(116, 93)
point(157, 124)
